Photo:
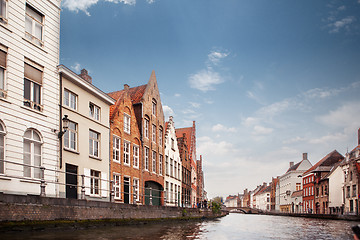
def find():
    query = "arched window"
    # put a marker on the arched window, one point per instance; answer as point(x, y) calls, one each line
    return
point(2, 148)
point(32, 154)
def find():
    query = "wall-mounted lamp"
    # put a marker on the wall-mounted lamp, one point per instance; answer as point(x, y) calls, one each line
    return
point(65, 124)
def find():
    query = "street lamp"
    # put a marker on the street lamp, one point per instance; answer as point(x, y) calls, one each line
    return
point(65, 124)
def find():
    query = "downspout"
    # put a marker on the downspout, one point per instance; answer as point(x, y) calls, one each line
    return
point(60, 120)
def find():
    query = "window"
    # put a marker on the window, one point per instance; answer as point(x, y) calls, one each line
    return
point(34, 23)
point(2, 148)
point(175, 170)
point(116, 149)
point(354, 191)
point(146, 158)
point(70, 99)
point(146, 128)
point(298, 186)
point(167, 165)
point(3, 55)
point(136, 188)
point(154, 107)
point(171, 168)
point(94, 143)
point(160, 136)
point(70, 137)
point(117, 186)
point(172, 144)
point(348, 191)
point(154, 133)
point(135, 156)
point(32, 154)
point(32, 86)
point(126, 153)
point(3, 11)
point(160, 164)
point(179, 170)
point(95, 182)
point(126, 123)
point(154, 161)
point(167, 191)
point(94, 111)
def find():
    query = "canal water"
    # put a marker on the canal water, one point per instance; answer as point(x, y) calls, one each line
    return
point(233, 226)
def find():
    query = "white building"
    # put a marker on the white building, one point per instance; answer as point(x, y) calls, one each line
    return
point(231, 201)
point(29, 93)
point(85, 145)
point(336, 194)
point(173, 166)
point(263, 199)
point(290, 182)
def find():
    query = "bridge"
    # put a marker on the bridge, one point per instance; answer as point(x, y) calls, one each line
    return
point(245, 210)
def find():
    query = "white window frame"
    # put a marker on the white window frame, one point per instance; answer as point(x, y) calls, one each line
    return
point(3, 11)
point(171, 167)
point(153, 167)
point(117, 186)
point(161, 159)
point(136, 151)
point(94, 111)
point(2, 147)
point(34, 23)
point(146, 128)
point(94, 143)
point(116, 149)
point(34, 168)
point(127, 123)
point(136, 189)
point(154, 108)
point(154, 133)
point(3, 92)
point(95, 183)
point(70, 99)
point(167, 165)
point(71, 135)
point(146, 158)
point(126, 152)
point(32, 102)
point(160, 136)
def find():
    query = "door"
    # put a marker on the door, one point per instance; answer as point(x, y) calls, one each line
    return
point(71, 181)
point(126, 190)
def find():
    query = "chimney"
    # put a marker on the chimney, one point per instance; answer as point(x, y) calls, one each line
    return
point(359, 136)
point(84, 75)
point(304, 156)
point(291, 164)
point(126, 87)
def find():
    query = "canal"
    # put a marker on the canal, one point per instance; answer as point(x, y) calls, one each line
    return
point(233, 226)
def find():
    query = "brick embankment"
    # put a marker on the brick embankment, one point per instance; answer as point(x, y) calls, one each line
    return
point(319, 216)
point(19, 210)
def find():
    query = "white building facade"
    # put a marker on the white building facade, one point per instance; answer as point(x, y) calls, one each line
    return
point(290, 182)
point(336, 186)
point(173, 166)
point(29, 93)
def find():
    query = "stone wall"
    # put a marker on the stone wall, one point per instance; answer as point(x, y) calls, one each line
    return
point(36, 208)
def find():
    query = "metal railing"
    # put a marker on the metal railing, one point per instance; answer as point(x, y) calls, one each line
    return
point(126, 192)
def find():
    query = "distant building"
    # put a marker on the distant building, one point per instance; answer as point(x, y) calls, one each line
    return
point(263, 199)
point(291, 182)
point(336, 191)
point(311, 179)
point(186, 170)
point(200, 181)
point(231, 201)
point(273, 185)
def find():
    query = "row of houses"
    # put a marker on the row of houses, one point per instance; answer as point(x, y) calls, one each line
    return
point(330, 186)
point(60, 136)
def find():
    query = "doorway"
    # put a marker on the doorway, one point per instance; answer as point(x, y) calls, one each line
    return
point(71, 181)
point(126, 190)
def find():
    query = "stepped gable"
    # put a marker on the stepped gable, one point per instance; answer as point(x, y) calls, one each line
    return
point(327, 161)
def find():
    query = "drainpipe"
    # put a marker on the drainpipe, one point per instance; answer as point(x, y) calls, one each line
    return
point(60, 120)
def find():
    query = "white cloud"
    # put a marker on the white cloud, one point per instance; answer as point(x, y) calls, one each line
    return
point(177, 95)
point(76, 67)
point(276, 108)
point(221, 128)
point(260, 130)
point(331, 138)
point(168, 111)
point(195, 105)
point(341, 24)
point(215, 57)
point(294, 140)
point(208, 147)
point(342, 8)
point(250, 121)
point(84, 5)
point(205, 80)
point(150, 1)
point(321, 93)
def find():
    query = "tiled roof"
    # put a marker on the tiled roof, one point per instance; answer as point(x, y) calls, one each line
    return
point(135, 93)
point(297, 193)
point(329, 160)
point(294, 167)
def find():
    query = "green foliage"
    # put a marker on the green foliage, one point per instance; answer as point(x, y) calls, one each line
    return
point(184, 212)
point(216, 207)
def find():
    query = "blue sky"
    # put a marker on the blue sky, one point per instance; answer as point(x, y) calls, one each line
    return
point(264, 80)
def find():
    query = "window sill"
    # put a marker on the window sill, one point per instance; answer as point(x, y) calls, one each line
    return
point(116, 161)
point(96, 158)
point(4, 177)
point(5, 100)
point(31, 180)
point(5, 25)
point(135, 167)
point(71, 150)
point(41, 48)
point(95, 196)
point(34, 111)
point(127, 164)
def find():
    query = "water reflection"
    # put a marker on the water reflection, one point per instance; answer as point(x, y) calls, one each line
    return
point(234, 226)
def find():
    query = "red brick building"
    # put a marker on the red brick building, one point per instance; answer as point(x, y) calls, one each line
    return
point(312, 181)
point(200, 181)
point(273, 193)
point(150, 120)
point(186, 170)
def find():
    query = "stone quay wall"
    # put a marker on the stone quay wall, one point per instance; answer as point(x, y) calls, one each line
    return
point(16, 208)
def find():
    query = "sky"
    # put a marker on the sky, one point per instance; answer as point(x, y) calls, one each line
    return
point(265, 81)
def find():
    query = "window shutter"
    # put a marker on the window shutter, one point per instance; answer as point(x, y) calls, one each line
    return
point(2, 59)
point(32, 73)
point(87, 181)
point(104, 184)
